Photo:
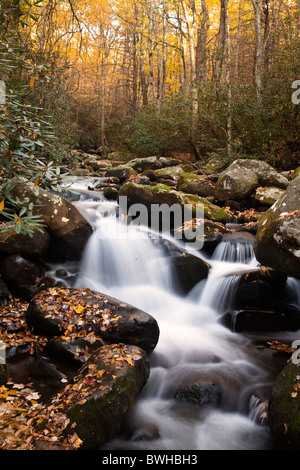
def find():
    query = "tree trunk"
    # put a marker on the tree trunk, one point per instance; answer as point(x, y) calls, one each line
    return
point(258, 50)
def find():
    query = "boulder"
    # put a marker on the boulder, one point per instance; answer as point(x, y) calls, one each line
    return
point(236, 183)
point(243, 176)
point(103, 392)
point(277, 242)
point(22, 243)
point(195, 184)
point(284, 403)
point(188, 270)
point(54, 311)
point(266, 174)
point(122, 172)
point(261, 320)
point(208, 235)
point(202, 393)
point(147, 163)
point(60, 216)
point(19, 271)
point(267, 196)
point(171, 171)
point(161, 194)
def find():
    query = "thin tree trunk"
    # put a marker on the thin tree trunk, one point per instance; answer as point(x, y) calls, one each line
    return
point(221, 44)
point(201, 59)
point(259, 50)
point(237, 51)
point(228, 78)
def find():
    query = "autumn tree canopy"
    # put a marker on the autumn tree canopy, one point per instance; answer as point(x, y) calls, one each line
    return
point(161, 76)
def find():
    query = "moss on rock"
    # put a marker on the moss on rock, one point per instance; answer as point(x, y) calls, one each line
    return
point(284, 404)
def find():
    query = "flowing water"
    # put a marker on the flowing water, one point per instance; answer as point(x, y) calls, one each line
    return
point(194, 347)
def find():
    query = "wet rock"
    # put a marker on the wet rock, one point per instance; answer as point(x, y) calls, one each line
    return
point(278, 235)
point(38, 370)
point(255, 294)
point(262, 320)
point(62, 218)
point(111, 380)
point(145, 431)
point(23, 244)
point(264, 288)
point(56, 310)
point(111, 193)
point(284, 403)
point(74, 351)
point(201, 393)
point(205, 233)
point(19, 271)
point(188, 270)
point(3, 374)
point(161, 194)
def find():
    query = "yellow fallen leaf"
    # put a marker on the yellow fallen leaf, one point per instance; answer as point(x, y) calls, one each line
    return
point(79, 309)
point(2, 205)
point(32, 80)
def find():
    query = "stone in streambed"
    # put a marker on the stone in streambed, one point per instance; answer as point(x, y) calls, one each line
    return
point(161, 194)
point(62, 219)
point(103, 392)
point(56, 310)
point(23, 244)
point(261, 320)
point(19, 271)
point(188, 270)
point(201, 393)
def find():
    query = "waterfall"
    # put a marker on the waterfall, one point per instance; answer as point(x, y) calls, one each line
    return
point(194, 348)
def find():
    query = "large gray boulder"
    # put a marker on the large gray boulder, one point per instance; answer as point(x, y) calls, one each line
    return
point(277, 242)
point(266, 174)
point(61, 217)
point(236, 183)
point(243, 176)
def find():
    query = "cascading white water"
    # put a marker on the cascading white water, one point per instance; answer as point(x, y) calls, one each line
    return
point(121, 261)
point(127, 262)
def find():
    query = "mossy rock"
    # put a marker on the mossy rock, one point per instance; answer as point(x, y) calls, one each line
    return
point(296, 173)
point(284, 404)
point(277, 242)
point(163, 194)
point(169, 171)
point(195, 184)
point(62, 219)
point(122, 172)
point(268, 195)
